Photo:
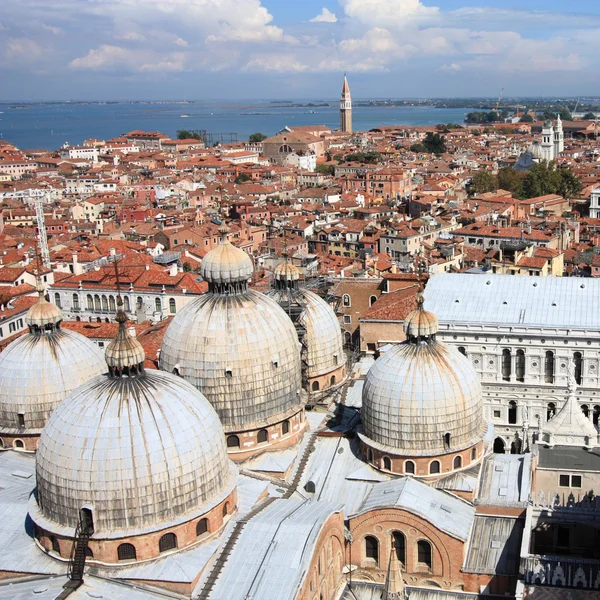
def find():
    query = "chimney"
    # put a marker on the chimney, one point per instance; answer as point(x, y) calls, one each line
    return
point(173, 270)
point(112, 252)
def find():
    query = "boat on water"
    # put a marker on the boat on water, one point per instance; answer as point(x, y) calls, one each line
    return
point(184, 116)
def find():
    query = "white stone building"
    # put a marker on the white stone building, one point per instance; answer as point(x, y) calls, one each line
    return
point(521, 333)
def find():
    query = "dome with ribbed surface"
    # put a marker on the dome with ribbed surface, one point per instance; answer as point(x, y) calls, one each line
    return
point(420, 323)
point(226, 264)
point(242, 352)
point(142, 453)
point(419, 393)
point(41, 368)
point(286, 271)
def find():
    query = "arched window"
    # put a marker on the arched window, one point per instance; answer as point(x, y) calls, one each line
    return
point(201, 527)
point(225, 509)
point(88, 552)
point(126, 552)
point(409, 467)
point(462, 350)
point(506, 364)
point(424, 553)
point(285, 427)
point(585, 409)
point(172, 306)
point(158, 304)
point(447, 440)
point(457, 462)
point(549, 367)
point(400, 544)
point(596, 415)
point(57, 300)
point(550, 410)
point(233, 441)
point(372, 548)
point(578, 360)
point(315, 386)
point(370, 455)
point(139, 303)
point(97, 306)
point(55, 545)
point(104, 303)
point(111, 303)
point(262, 436)
point(512, 412)
point(387, 463)
point(332, 380)
point(90, 302)
point(473, 453)
point(285, 149)
point(499, 446)
point(126, 304)
point(434, 467)
point(520, 365)
point(167, 542)
point(346, 300)
point(75, 301)
point(18, 444)
point(372, 300)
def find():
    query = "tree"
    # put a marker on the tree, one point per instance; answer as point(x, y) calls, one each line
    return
point(526, 119)
point(419, 148)
point(435, 143)
point(482, 182)
point(545, 178)
point(187, 267)
point(364, 157)
point(257, 137)
point(589, 116)
point(325, 169)
point(563, 111)
point(242, 178)
point(570, 184)
point(186, 134)
point(511, 181)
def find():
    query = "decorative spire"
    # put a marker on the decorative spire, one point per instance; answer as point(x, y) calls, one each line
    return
point(394, 588)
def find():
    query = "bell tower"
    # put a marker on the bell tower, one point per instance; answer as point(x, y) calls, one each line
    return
point(346, 108)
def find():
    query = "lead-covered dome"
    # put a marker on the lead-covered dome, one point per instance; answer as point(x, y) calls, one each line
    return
point(41, 368)
point(239, 349)
point(141, 450)
point(422, 397)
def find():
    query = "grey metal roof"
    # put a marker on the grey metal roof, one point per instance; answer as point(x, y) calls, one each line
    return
point(495, 546)
point(505, 480)
point(446, 512)
point(464, 481)
point(362, 590)
point(278, 542)
point(512, 300)
point(569, 457)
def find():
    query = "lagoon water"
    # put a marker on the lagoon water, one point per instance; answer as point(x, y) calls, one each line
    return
point(51, 125)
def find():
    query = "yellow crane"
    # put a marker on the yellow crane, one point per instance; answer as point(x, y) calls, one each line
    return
point(499, 99)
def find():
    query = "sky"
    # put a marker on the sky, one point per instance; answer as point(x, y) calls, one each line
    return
point(286, 49)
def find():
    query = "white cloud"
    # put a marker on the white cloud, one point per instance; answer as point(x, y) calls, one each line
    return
point(325, 16)
point(279, 64)
point(131, 36)
point(389, 13)
point(451, 68)
point(180, 42)
point(52, 29)
point(18, 52)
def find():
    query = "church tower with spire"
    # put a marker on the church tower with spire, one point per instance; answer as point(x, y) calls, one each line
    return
point(346, 108)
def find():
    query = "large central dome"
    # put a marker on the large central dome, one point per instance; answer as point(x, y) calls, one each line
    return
point(236, 346)
point(422, 398)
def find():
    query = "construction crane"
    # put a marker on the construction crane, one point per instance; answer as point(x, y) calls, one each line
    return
point(576, 106)
point(499, 100)
point(38, 201)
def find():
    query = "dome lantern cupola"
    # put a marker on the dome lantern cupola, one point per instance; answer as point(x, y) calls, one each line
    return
point(43, 316)
point(124, 355)
point(421, 326)
point(226, 269)
point(286, 275)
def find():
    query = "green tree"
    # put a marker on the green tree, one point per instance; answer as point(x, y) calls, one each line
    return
point(589, 116)
point(187, 134)
point(526, 119)
point(242, 178)
point(325, 169)
point(570, 185)
point(257, 137)
point(364, 157)
point(511, 181)
point(563, 111)
point(481, 182)
point(187, 267)
point(338, 157)
point(435, 143)
point(419, 148)
point(545, 178)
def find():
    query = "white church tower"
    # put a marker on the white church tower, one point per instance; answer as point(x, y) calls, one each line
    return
point(559, 137)
point(547, 145)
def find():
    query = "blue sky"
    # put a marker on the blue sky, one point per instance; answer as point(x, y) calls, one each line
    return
point(242, 49)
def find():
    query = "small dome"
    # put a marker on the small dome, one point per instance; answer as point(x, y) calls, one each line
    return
point(143, 453)
point(124, 352)
point(43, 313)
point(286, 271)
point(420, 323)
point(418, 394)
point(226, 263)
point(242, 352)
point(38, 371)
point(536, 151)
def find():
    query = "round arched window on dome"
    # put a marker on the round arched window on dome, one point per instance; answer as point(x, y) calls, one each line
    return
point(332, 380)
point(55, 545)
point(18, 444)
point(409, 467)
point(285, 427)
point(262, 436)
point(434, 467)
point(201, 527)
point(126, 552)
point(457, 462)
point(315, 386)
point(387, 463)
point(167, 542)
point(225, 509)
point(233, 441)
point(473, 453)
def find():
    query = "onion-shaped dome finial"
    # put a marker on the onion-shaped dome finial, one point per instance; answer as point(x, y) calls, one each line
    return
point(420, 325)
point(43, 316)
point(124, 355)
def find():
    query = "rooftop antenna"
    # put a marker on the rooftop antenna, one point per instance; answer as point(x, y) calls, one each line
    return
point(38, 201)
